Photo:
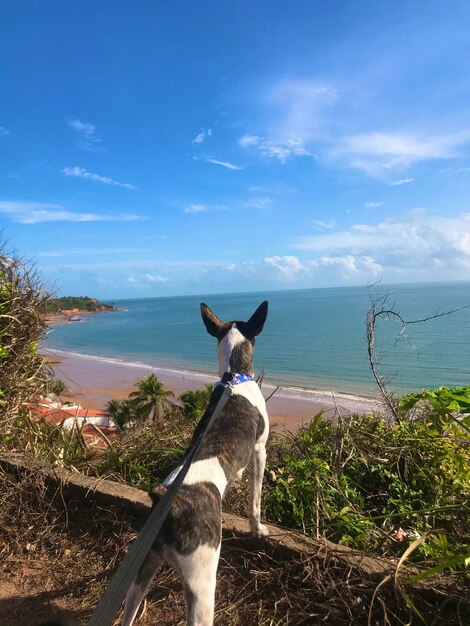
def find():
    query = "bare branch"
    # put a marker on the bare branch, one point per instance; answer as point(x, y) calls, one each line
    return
point(381, 309)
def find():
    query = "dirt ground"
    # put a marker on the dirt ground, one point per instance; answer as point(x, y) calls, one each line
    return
point(57, 554)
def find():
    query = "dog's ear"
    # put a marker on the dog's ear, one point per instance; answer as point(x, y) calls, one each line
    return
point(256, 322)
point(210, 319)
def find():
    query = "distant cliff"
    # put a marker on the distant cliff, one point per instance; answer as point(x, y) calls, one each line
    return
point(75, 304)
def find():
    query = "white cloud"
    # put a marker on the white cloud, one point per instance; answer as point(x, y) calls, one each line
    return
point(145, 280)
point(296, 109)
point(80, 172)
point(287, 266)
point(155, 278)
point(402, 181)
point(309, 117)
point(25, 212)
point(87, 139)
point(3, 131)
point(282, 151)
point(290, 268)
point(377, 153)
point(258, 203)
point(204, 208)
point(196, 208)
point(414, 241)
point(226, 164)
point(202, 136)
point(460, 170)
point(249, 140)
point(301, 106)
point(373, 204)
point(321, 224)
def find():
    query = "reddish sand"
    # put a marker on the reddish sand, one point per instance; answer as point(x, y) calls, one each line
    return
point(93, 382)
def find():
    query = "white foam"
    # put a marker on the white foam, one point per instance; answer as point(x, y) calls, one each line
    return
point(287, 392)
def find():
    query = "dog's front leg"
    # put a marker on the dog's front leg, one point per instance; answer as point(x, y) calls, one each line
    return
point(258, 461)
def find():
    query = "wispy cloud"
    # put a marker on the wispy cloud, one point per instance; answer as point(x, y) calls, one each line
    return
point(401, 181)
point(25, 212)
point(282, 151)
point(89, 251)
point(80, 172)
point(87, 139)
point(296, 110)
point(196, 208)
point(460, 170)
point(3, 131)
point(258, 203)
point(311, 118)
point(202, 136)
point(377, 153)
point(155, 278)
point(226, 164)
point(301, 107)
point(321, 224)
point(373, 204)
point(205, 208)
point(144, 281)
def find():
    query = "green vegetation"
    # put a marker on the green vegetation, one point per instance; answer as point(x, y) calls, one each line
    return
point(150, 403)
point(57, 388)
point(194, 403)
point(68, 303)
point(375, 485)
point(365, 482)
point(151, 399)
point(444, 402)
point(23, 377)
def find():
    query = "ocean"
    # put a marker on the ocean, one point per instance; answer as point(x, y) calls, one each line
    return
point(313, 338)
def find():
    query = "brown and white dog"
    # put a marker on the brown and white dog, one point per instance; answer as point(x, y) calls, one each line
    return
point(191, 535)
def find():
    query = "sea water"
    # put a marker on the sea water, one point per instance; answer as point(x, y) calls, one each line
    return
point(314, 338)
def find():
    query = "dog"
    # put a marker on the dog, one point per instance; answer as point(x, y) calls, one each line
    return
point(191, 535)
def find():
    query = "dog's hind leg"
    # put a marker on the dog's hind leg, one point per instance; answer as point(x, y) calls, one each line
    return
point(198, 571)
point(258, 461)
point(138, 590)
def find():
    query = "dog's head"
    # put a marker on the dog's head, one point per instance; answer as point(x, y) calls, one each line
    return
point(235, 339)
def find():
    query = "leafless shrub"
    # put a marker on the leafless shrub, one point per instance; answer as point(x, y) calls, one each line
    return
point(382, 308)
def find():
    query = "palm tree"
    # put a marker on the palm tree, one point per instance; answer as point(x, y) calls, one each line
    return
point(57, 387)
point(151, 398)
point(195, 402)
point(122, 411)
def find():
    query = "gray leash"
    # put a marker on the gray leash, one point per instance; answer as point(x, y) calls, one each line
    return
point(114, 595)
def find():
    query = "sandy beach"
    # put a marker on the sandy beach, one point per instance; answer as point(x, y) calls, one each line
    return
point(94, 381)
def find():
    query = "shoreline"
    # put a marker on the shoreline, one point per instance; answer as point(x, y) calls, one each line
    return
point(71, 317)
point(94, 380)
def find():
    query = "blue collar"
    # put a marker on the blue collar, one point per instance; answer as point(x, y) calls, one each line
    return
point(234, 379)
point(241, 378)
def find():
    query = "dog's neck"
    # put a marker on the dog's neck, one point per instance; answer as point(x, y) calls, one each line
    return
point(235, 353)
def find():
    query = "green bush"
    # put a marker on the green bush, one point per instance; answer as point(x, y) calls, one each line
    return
point(194, 403)
point(375, 485)
point(445, 403)
point(22, 376)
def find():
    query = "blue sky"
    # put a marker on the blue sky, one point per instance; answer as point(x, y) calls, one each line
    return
point(162, 148)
